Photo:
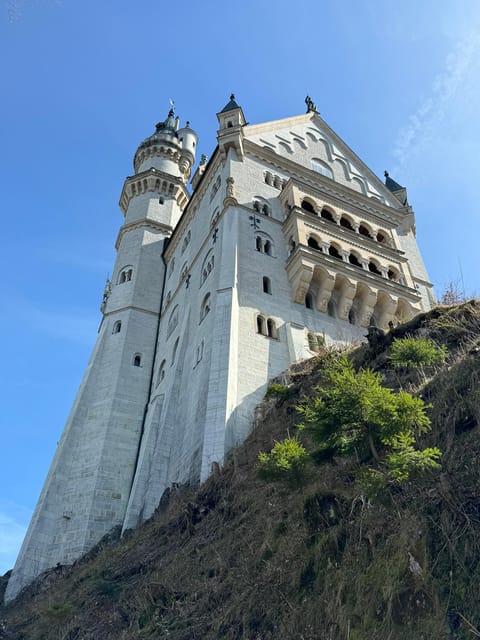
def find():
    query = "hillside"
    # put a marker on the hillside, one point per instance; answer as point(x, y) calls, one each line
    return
point(242, 559)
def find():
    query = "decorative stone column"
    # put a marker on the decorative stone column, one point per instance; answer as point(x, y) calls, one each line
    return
point(345, 301)
point(325, 291)
point(367, 306)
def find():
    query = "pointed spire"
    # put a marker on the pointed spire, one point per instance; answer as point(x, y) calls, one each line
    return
point(170, 124)
point(230, 105)
point(391, 184)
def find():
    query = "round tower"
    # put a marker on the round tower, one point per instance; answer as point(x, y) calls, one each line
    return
point(88, 486)
point(169, 149)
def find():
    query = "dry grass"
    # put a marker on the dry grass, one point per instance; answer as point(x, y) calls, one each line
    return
point(239, 559)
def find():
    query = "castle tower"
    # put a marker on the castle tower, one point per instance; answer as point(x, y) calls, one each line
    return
point(88, 485)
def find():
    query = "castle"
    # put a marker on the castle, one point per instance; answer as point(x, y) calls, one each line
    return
point(287, 242)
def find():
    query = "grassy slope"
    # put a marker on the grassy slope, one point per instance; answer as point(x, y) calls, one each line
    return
point(240, 559)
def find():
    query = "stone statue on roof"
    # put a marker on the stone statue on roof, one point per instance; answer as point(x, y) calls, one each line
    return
point(311, 106)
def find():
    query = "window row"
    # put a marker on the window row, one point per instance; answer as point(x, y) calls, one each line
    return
point(347, 222)
point(264, 244)
point(274, 180)
point(261, 206)
point(266, 327)
point(355, 259)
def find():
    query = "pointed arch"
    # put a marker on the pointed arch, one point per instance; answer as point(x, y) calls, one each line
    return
point(321, 167)
point(205, 307)
point(359, 185)
point(342, 168)
point(172, 321)
point(207, 266)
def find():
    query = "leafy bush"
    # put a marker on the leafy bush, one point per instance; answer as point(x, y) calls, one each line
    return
point(286, 461)
point(416, 352)
point(279, 390)
point(354, 413)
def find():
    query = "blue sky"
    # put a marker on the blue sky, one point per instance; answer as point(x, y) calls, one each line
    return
point(84, 82)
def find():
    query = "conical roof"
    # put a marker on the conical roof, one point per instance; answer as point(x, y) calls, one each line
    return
point(230, 106)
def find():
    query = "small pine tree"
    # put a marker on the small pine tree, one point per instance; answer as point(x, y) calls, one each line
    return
point(355, 413)
point(416, 352)
point(286, 461)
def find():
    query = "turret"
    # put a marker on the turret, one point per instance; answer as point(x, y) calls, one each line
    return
point(163, 162)
point(188, 139)
point(230, 132)
point(168, 149)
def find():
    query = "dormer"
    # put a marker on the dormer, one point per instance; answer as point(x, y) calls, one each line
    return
point(230, 133)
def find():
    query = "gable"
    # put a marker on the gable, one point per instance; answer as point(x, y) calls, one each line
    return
point(308, 141)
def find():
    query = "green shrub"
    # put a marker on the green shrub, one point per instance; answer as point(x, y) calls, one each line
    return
point(416, 352)
point(286, 461)
point(354, 413)
point(278, 390)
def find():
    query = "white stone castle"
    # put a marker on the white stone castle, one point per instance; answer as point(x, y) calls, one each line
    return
point(287, 242)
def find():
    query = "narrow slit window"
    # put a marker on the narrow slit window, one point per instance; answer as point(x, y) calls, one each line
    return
point(267, 285)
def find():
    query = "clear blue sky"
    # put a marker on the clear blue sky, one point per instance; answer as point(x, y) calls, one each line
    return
point(82, 83)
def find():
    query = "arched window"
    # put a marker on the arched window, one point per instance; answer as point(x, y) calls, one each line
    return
point(161, 372)
point(125, 275)
point(267, 285)
point(205, 308)
point(351, 316)
point(215, 216)
point(207, 266)
point(215, 188)
point(345, 222)
point(309, 300)
point(264, 244)
point(261, 325)
point(199, 353)
point(334, 252)
point(271, 328)
point(327, 215)
point(171, 267)
point(184, 271)
point(364, 231)
point(186, 241)
point(137, 360)
point(393, 274)
point(117, 326)
point(312, 242)
point(307, 206)
point(321, 167)
point(374, 268)
point(382, 237)
point(172, 321)
point(352, 258)
point(174, 352)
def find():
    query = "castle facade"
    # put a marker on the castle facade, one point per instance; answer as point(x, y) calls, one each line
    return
point(286, 243)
